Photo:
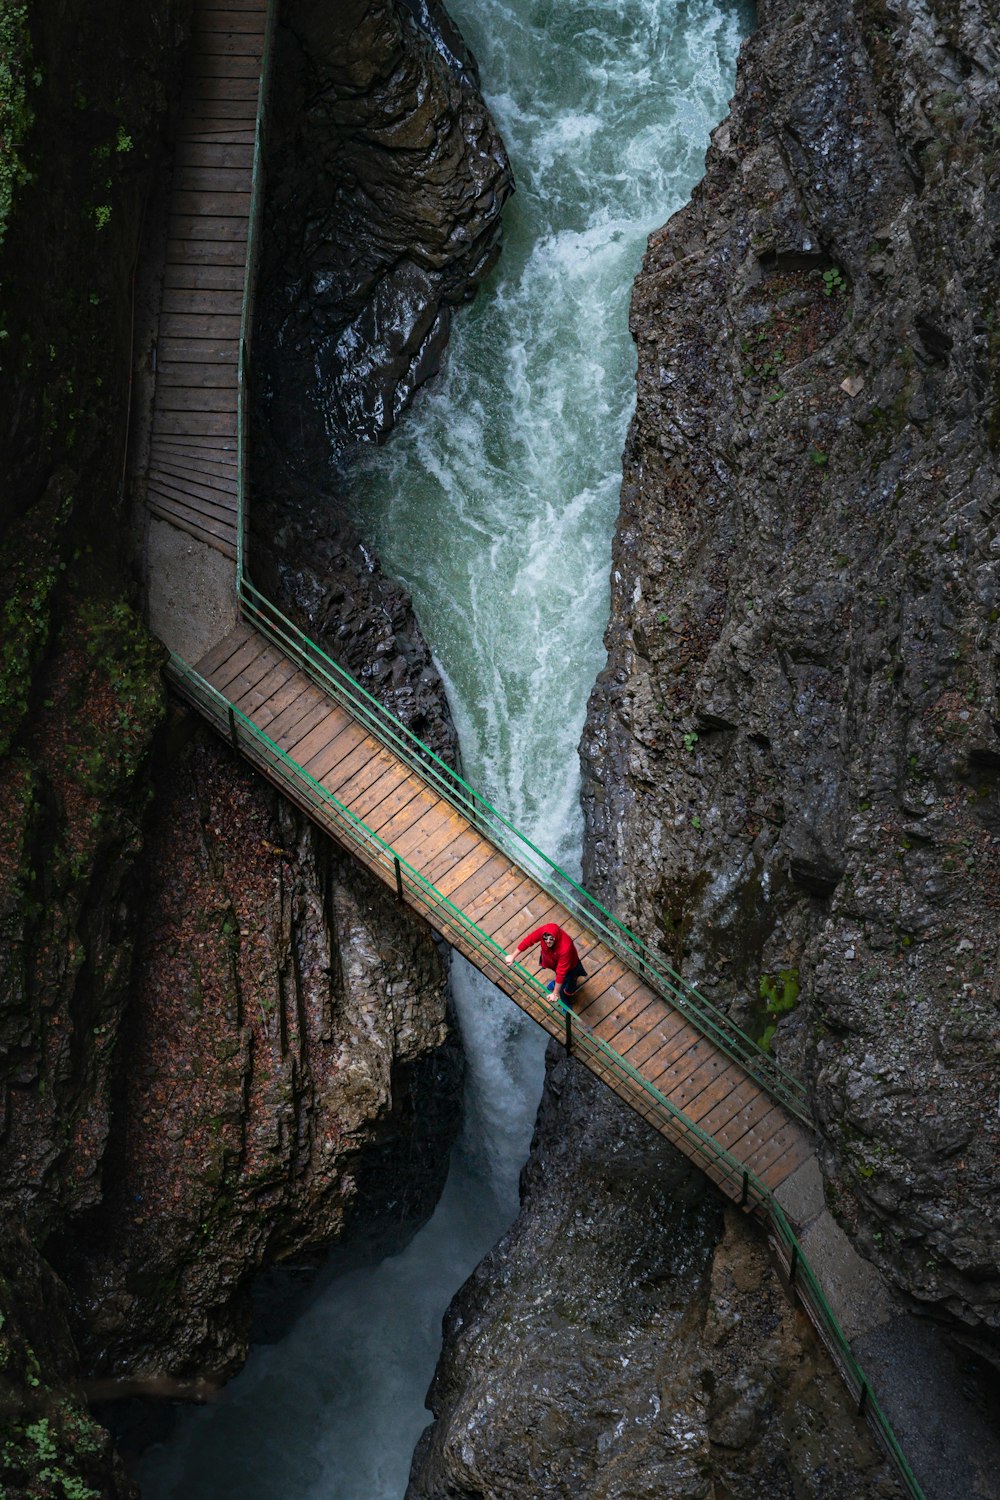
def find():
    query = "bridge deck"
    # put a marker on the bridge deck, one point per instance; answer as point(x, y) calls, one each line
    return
point(462, 864)
point(192, 474)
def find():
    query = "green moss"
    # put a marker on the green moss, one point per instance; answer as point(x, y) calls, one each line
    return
point(778, 994)
point(16, 115)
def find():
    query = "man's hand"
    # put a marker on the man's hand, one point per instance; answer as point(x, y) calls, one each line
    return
point(508, 958)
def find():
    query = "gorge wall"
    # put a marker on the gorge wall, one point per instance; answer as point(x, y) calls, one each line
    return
point(792, 756)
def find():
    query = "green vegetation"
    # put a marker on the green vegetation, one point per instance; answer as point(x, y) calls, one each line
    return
point(16, 115)
point(779, 994)
point(833, 282)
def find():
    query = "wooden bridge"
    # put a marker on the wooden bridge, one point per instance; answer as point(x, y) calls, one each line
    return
point(193, 482)
point(358, 773)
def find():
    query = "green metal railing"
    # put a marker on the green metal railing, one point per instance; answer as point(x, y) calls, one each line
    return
point(417, 756)
point(729, 1173)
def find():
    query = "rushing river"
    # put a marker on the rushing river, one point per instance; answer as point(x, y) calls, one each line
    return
point(495, 502)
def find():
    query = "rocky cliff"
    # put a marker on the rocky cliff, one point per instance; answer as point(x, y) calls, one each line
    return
point(789, 779)
point(629, 1338)
point(792, 756)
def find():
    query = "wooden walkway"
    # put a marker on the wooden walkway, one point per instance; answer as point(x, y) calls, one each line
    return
point(437, 841)
point(192, 483)
point(192, 472)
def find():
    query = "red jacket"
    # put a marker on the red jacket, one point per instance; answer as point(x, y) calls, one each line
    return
point(562, 956)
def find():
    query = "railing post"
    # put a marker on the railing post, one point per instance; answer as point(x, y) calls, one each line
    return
point(746, 1190)
point(399, 876)
point(794, 1265)
point(568, 1019)
point(232, 728)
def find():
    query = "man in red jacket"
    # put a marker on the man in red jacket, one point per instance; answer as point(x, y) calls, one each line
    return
point(558, 952)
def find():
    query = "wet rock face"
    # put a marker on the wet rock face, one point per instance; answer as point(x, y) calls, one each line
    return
point(291, 1076)
point(629, 1337)
point(386, 178)
point(791, 760)
point(305, 553)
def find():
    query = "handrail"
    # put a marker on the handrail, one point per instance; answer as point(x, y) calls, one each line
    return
point(531, 995)
point(403, 743)
point(557, 1018)
point(377, 720)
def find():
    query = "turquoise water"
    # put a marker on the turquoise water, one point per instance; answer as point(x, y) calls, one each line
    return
point(495, 501)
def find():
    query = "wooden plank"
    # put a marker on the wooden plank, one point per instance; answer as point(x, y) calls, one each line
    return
point(743, 1126)
point(220, 653)
point(464, 868)
point(420, 813)
point(191, 300)
point(625, 1026)
point(197, 398)
point(677, 1073)
point(209, 221)
point(216, 522)
point(312, 713)
point(347, 737)
point(209, 466)
point(278, 677)
point(659, 1065)
point(208, 182)
point(718, 1077)
point(205, 325)
point(780, 1148)
point(226, 41)
point(282, 699)
point(777, 1173)
point(488, 877)
point(204, 376)
point(438, 866)
point(712, 1115)
point(497, 906)
point(364, 802)
point(217, 133)
point(252, 648)
point(189, 423)
point(348, 759)
point(230, 20)
point(366, 776)
point(214, 94)
point(204, 278)
point(206, 351)
point(252, 674)
point(621, 987)
point(216, 65)
point(317, 739)
point(198, 490)
point(199, 223)
point(197, 250)
point(419, 846)
point(733, 1088)
point(234, 155)
point(400, 798)
point(217, 449)
point(669, 1029)
point(187, 520)
point(213, 526)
